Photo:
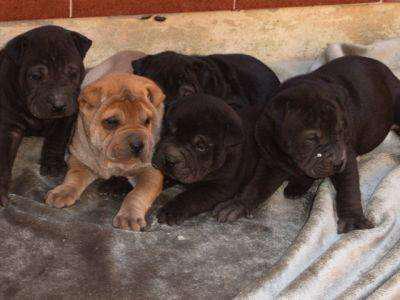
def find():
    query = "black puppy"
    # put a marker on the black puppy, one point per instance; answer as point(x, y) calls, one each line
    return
point(315, 127)
point(40, 72)
point(237, 78)
point(209, 148)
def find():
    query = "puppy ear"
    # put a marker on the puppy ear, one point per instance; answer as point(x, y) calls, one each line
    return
point(277, 108)
point(15, 48)
point(234, 133)
point(90, 98)
point(138, 65)
point(82, 43)
point(155, 95)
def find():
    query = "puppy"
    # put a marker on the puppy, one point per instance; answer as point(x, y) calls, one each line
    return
point(40, 72)
point(237, 78)
point(120, 62)
point(315, 127)
point(117, 127)
point(209, 148)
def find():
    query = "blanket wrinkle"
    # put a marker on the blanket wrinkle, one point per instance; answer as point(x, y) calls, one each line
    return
point(290, 250)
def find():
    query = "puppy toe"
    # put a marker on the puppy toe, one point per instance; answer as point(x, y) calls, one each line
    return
point(354, 223)
point(236, 214)
point(223, 214)
point(221, 211)
point(127, 220)
point(135, 226)
point(123, 223)
point(231, 213)
point(161, 217)
point(138, 224)
point(171, 221)
point(61, 197)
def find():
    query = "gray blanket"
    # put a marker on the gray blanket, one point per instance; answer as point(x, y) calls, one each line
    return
point(76, 252)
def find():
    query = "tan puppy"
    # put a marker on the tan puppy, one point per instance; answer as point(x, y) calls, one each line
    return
point(117, 127)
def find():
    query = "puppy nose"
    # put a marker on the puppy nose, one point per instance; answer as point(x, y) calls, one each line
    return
point(170, 161)
point(136, 146)
point(58, 107)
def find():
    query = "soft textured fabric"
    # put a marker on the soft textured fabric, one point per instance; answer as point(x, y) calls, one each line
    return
point(76, 252)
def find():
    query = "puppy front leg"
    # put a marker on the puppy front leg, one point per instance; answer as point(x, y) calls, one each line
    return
point(78, 178)
point(191, 203)
point(10, 139)
point(266, 180)
point(348, 199)
point(52, 162)
point(132, 214)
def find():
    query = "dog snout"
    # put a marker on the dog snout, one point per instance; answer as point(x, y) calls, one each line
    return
point(166, 158)
point(170, 161)
point(164, 162)
point(136, 145)
point(58, 103)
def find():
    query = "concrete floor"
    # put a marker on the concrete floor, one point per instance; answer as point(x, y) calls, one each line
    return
point(271, 35)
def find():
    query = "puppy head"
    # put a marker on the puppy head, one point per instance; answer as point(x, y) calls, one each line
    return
point(198, 133)
point(178, 75)
point(49, 61)
point(310, 126)
point(122, 115)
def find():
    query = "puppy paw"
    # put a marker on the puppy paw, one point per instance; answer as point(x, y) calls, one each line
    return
point(230, 211)
point(346, 224)
point(61, 196)
point(129, 219)
point(173, 213)
point(53, 169)
point(295, 191)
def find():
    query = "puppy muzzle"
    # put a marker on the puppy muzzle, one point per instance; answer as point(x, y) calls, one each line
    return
point(130, 145)
point(55, 104)
point(173, 163)
point(326, 164)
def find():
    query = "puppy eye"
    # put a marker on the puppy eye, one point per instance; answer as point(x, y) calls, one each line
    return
point(36, 76)
point(73, 74)
point(201, 147)
point(111, 123)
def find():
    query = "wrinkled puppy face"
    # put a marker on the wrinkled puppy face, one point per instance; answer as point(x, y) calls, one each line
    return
point(122, 116)
point(175, 73)
point(198, 132)
point(312, 129)
point(50, 69)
